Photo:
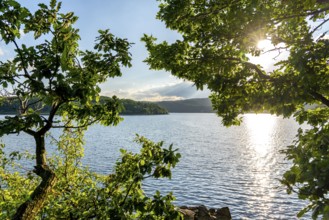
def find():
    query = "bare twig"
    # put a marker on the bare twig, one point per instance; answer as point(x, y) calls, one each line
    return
point(320, 25)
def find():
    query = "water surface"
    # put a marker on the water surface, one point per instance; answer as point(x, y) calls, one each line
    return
point(236, 167)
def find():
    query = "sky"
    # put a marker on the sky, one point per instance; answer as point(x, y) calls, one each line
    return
point(126, 19)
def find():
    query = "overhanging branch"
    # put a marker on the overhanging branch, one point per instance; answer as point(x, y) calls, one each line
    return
point(320, 98)
point(80, 126)
point(305, 14)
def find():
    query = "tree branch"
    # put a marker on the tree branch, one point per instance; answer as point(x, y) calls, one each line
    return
point(26, 73)
point(77, 127)
point(251, 66)
point(22, 59)
point(52, 114)
point(319, 97)
point(213, 12)
point(30, 132)
point(275, 49)
point(33, 103)
point(258, 71)
point(22, 103)
point(320, 25)
point(124, 200)
point(278, 20)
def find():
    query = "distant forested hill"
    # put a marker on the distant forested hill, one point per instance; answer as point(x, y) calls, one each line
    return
point(188, 105)
point(130, 107)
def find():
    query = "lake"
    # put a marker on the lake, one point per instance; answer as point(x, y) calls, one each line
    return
point(236, 167)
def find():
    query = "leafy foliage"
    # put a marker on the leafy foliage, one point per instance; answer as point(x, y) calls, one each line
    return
point(55, 72)
point(310, 156)
point(54, 75)
point(218, 40)
point(125, 188)
point(11, 181)
point(82, 194)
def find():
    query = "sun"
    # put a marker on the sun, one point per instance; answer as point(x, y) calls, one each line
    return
point(267, 55)
point(264, 45)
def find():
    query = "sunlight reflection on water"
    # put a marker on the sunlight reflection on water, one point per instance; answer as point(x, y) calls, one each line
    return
point(260, 131)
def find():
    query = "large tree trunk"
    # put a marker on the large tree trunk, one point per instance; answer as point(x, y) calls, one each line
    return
point(29, 209)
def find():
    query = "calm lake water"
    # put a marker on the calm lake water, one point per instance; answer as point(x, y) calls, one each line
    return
point(236, 167)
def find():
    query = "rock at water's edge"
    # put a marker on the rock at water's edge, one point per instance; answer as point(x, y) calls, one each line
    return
point(202, 213)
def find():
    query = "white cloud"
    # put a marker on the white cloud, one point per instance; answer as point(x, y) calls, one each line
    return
point(141, 95)
point(2, 52)
point(160, 98)
point(178, 91)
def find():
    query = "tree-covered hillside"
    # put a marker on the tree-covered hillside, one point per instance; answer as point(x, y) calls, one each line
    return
point(202, 105)
point(129, 107)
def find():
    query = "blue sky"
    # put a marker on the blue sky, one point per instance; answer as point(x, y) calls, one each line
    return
point(126, 19)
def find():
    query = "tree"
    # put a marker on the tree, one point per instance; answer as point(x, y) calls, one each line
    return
point(55, 73)
point(82, 194)
point(218, 41)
